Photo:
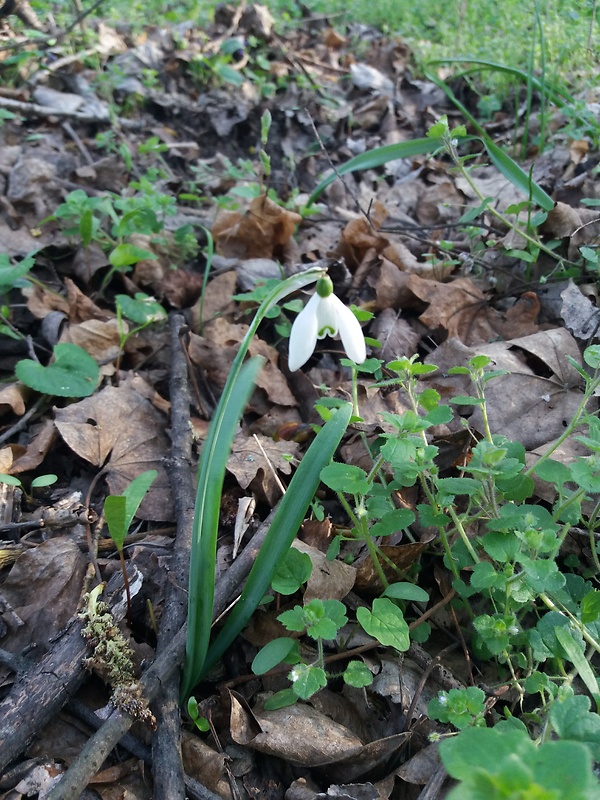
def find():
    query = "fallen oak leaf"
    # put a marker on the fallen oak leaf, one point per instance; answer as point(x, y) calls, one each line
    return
point(120, 431)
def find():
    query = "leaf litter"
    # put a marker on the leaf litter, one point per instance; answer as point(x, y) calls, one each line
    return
point(379, 230)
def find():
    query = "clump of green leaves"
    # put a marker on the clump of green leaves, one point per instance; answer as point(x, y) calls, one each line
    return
point(321, 621)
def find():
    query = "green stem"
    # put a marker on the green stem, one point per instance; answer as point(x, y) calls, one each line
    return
point(355, 409)
point(577, 623)
point(587, 395)
point(463, 534)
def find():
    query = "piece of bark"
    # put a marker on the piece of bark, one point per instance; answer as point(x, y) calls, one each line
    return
point(22, 10)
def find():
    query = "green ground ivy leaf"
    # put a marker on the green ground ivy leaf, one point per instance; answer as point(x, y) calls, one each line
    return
point(72, 373)
point(590, 607)
point(572, 719)
point(358, 675)
point(126, 254)
point(345, 478)
point(542, 575)
point(498, 763)
point(307, 680)
point(295, 570)
point(385, 623)
point(393, 521)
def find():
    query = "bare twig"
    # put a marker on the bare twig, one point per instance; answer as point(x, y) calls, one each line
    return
point(22, 423)
point(166, 744)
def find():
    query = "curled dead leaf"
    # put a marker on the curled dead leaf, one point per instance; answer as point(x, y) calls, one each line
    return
point(120, 431)
point(259, 233)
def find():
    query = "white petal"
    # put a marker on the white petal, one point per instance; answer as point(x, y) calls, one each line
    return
point(328, 315)
point(351, 333)
point(303, 337)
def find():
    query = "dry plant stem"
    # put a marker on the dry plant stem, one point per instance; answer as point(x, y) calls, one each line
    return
point(433, 788)
point(29, 110)
point(108, 736)
point(166, 743)
point(424, 677)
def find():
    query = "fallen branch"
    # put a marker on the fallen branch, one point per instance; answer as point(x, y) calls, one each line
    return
point(39, 693)
point(167, 770)
point(108, 736)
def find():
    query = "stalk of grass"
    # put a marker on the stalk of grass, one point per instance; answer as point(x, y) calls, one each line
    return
point(213, 461)
point(501, 160)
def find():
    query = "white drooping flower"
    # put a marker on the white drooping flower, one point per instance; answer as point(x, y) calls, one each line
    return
point(325, 315)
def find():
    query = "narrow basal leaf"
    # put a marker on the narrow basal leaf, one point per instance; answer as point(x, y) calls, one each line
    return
point(286, 523)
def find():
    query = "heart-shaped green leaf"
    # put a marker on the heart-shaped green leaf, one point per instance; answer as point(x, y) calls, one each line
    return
point(72, 373)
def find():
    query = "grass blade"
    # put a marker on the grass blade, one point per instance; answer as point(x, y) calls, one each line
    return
point(377, 157)
point(555, 93)
point(283, 530)
point(501, 160)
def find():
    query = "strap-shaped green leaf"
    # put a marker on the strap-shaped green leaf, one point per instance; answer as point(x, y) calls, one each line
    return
point(213, 462)
point(215, 453)
point(288, 518)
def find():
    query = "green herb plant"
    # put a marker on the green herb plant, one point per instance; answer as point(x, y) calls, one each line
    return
point(201, 655)
point(119, 511)
point(526, 608)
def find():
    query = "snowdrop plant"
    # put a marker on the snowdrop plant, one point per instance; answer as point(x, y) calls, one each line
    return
point(201, 655)
point(325, 315)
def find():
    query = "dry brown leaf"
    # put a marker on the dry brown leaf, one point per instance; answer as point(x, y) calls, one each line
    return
point(402, 555)
point(217, 298)
point(101, 339)
point(252, 465)
point(261, 232)
point(298, 734)
point(215, 352)
point(461, 308)
point(397, 337)
point(43, 588)
point(41, 439)
point(562, 221)
point(524, 405)
point(421, 767)
point(367, 759)
point(81, 307)
point(329, 579)
point(86, 262)
point(120, 431)
point(201, 761)
point(12, 398)
point(41, 301)
point(580, 315)
point(6, 459)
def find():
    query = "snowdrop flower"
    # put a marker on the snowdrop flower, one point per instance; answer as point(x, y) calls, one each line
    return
point(325, 315)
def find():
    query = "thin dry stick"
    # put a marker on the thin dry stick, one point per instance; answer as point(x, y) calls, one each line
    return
point(168, 771)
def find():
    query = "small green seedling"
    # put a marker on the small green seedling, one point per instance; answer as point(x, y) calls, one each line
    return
point(119, 511)
point(36, 483)
point(200, 722)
